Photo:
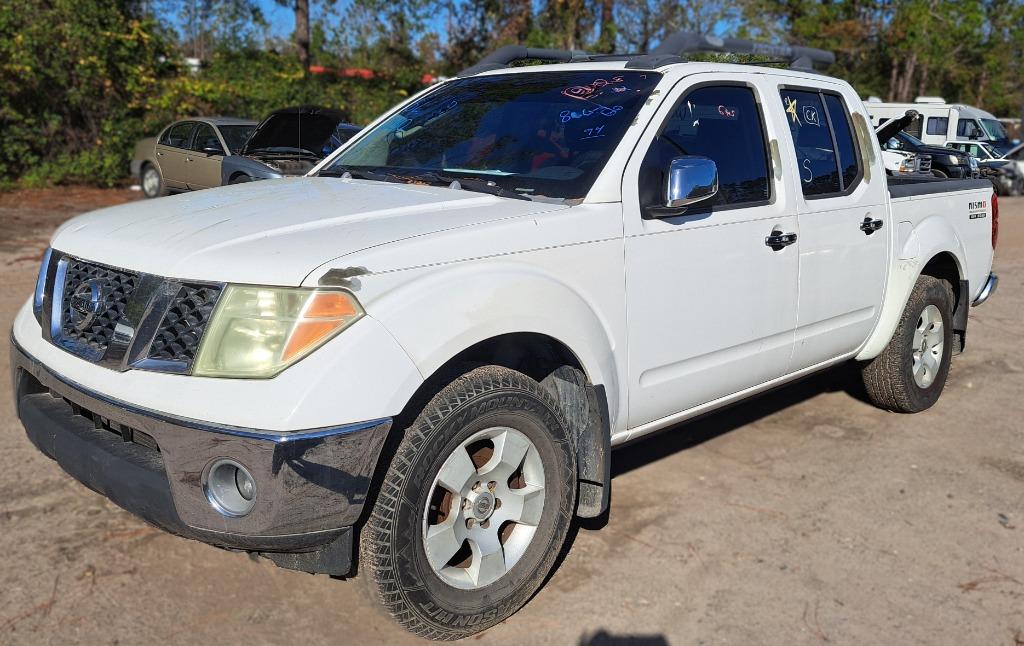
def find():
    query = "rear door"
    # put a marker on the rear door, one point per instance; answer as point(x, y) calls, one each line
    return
point(710, 306)
point(171, 152)
point(203, 166)
point(844, 224)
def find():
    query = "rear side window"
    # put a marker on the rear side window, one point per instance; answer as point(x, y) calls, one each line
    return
point(849, 160)
point(724, 124)
point(177, 136)
point(826, 153)
point(937, 125)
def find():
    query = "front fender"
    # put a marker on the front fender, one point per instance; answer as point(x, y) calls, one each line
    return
point(440, 313)
point(233, 164)
point(915, 247)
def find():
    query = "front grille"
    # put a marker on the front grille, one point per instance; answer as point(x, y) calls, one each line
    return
point(94, 301)
point(122, 319)
point(925, 165)
point(184, 323)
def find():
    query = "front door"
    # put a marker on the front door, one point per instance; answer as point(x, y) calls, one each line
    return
point(844, 225)
point(203, 166)
point(171, 151)
point(710, 304)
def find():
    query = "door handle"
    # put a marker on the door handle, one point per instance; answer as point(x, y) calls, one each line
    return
point(777, 240)
point(188, 159)
point(869, 226)
point(159, 154)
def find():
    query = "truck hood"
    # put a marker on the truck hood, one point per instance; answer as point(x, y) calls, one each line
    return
point(274, 232)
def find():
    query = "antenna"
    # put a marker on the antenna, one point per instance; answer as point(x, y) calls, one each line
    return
point(801, 58)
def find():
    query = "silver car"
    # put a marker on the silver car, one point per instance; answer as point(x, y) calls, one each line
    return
point(187, 155)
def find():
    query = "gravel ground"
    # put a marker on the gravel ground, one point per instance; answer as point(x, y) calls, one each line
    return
point(804, 516)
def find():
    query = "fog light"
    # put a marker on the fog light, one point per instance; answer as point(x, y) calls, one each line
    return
point(230, 488)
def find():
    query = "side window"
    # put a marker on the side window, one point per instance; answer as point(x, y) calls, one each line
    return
point(967, 128)
point(177, 136)
point(724, 124)
point(914, 127)
point(849, 160)
point(206, 138)
point(937, 125)
point(826, 152)
point(815, 153)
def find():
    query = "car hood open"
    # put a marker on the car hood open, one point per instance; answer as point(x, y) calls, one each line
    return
point(274, 232)
point(305, 127)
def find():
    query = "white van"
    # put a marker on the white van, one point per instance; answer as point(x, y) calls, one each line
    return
point(941, 122)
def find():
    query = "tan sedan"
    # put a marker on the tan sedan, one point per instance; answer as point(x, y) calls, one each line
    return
point(187, 155)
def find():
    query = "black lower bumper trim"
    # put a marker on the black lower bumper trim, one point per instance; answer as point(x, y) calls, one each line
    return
point(133, 477)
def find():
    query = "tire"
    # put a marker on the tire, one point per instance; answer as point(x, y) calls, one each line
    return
point(454, 598)
point(940, 174)
point(152, 181)
point(240, 179)
point(902, 378)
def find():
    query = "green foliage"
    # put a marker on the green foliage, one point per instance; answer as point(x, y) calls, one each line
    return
point(74, 78)
point(82, 80)
point(252, 83)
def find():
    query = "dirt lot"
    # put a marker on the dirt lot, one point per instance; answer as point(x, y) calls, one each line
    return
point(802, 517)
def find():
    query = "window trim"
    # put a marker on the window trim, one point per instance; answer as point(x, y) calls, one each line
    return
point(194, 139)
point(167, 131)
point(702, 209)
point(859, 177)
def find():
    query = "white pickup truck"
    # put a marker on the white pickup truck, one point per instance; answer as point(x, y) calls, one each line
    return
point(416, 359)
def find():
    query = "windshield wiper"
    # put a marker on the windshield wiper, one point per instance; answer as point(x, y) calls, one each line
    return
point(471, 184)
point(432, 178)
point(364, 173)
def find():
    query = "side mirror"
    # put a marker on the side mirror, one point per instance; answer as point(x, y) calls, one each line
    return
point(690, 180)
point(212, 147)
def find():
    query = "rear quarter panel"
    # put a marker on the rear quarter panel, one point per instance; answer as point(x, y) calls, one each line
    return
point(956, 222)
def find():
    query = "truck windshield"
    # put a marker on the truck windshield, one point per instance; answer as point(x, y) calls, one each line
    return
point(527, 135)
point(997, 133)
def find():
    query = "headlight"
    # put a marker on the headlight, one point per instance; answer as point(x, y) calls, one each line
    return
point(257, 332)
point(37, 297)
point(953, 159)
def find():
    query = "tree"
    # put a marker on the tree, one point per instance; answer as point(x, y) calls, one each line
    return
point(301, 35)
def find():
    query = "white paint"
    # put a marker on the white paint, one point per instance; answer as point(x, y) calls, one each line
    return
point(673, 317)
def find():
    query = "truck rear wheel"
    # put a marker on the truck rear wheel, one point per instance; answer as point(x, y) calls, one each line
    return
point(908, 376)
point(474, 508)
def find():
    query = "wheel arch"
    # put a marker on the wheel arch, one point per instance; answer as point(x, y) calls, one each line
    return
point(933, 248)
point(520, 318)
point(555, 366)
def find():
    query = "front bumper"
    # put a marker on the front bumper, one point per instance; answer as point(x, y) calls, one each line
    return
point(311, 484)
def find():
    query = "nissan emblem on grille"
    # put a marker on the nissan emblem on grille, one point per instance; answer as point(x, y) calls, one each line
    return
point(87, 302)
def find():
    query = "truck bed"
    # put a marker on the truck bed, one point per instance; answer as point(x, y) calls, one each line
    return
point(913, 186)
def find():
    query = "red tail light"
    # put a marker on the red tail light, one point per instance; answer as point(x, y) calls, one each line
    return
point(995, 220)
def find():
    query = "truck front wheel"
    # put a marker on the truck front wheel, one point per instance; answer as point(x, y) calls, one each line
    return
point(474, 508)
point(908, 376)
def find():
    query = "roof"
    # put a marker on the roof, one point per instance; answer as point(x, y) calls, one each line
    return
point(677, 70)
point(224, 121)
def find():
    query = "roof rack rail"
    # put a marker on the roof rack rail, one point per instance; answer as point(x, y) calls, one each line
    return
point(501, 57)
point(800, 58)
